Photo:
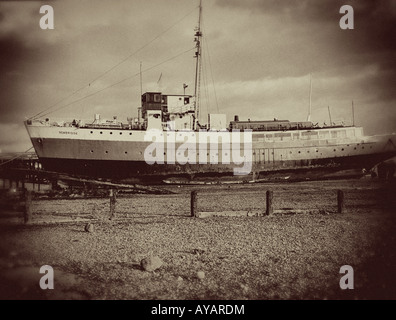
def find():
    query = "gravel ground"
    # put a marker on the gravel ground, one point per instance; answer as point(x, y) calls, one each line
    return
point(284, 256)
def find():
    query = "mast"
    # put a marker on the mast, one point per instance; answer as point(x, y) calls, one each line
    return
point(328, 108)
point(197, 39)
point(310, 97)
point(141, 86)
point(353, 114)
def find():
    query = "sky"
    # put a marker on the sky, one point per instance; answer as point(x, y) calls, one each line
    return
point(258, 59)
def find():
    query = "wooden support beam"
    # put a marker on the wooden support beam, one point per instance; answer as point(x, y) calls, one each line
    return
point(340, 201)
point(113, 200)
point(27, 212)
point(194, 211)
point(269, 209)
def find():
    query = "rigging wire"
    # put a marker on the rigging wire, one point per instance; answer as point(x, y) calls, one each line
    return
point(210, 65)
point(114, 84)
point(110, 69)
point(205, 84)
point(16, 157)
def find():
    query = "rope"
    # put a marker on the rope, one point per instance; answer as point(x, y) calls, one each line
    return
point(114, 84)
point(109, 70)
point(19, 156)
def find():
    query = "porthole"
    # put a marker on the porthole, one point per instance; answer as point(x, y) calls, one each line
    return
point(101, 132)
point(111, 132)
point(342, 149)
point(91, 151)
point(299, 151)
point(126, 152)
point(106, 151)
point(120, 133)
point(335, 150)
point(130, 133)
point(91, 131)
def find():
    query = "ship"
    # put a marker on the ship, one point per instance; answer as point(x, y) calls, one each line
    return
point(166, 143)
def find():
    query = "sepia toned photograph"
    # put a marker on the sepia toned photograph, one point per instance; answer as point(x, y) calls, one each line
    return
point(217, 151)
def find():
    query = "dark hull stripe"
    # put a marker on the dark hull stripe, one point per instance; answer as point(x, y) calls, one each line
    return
point(141, 171)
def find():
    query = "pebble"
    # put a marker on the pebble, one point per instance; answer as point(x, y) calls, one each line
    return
point(89, 227)
point(179, 279)
point(200, 275)
point(245, 288)
point(151, 263)
point(199, 251)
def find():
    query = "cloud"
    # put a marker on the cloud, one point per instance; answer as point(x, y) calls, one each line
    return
point(259, 52)
point(14, 138)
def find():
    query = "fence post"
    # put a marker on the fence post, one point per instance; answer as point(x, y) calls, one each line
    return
point(27, 211)
point(194, 211)
point(113, 200)
point(340, 201)
point(269, 210)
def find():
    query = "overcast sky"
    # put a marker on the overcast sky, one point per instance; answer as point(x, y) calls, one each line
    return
point(258, 59)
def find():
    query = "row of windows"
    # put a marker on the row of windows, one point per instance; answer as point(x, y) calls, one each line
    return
point(305, 135)
point(254, 153)
point(101, 132)
point(126, 152)
point(130, 133)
